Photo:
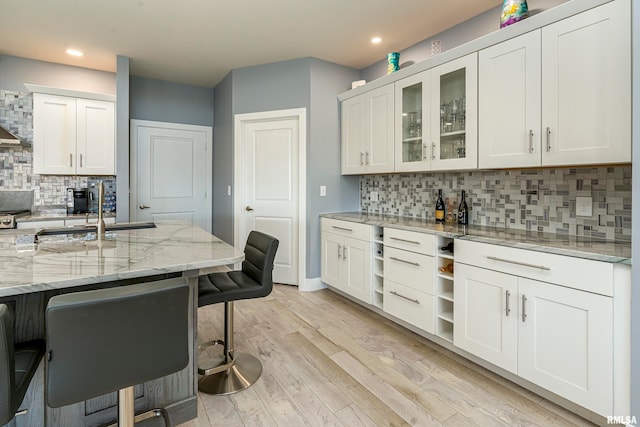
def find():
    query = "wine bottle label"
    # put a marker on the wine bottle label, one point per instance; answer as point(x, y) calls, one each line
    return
point(439, 214)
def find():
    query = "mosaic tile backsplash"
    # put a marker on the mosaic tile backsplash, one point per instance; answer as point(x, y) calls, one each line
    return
point(16, 164)
point(532, 199)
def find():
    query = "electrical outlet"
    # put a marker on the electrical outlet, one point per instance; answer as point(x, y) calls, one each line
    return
point(584, 206)
point(323, 190)
point(373, 195)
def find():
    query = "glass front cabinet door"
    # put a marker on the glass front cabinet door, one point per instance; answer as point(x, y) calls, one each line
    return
point(454, 114)
point(412, 124)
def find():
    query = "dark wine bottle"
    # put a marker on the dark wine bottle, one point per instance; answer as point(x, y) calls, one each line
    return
point(448, 247)
point(440, 207)
point(463, 211)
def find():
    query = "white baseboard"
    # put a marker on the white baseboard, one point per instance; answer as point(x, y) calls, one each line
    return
point(311, 285)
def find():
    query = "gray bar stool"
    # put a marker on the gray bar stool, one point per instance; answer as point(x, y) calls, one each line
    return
point(18, 363)
point(112, 339)
point(236, 371)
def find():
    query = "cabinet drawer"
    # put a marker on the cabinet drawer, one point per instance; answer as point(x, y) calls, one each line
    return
point(347, 228)
point(410, 240)
point(577, 273)
point(407, 304)
point(410, 269)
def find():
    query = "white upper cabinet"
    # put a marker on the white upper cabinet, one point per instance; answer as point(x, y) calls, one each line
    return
point(510, 94)
point(586, 87)
point(412, 123)
point(454, 114)
point(560, 95)
point(95, 143)
point(73, 136)
point(367, 132)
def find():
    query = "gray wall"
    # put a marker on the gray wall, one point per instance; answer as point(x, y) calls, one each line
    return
point(635, 250)
point(122, 139)
point(162, 101)
point(323, 155)
point(223, 160)
point(15, 72)
point(471, 29)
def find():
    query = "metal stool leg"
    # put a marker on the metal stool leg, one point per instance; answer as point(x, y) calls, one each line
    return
point(238, 371)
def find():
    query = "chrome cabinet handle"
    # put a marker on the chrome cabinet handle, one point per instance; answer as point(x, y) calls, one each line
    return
point(144, 207)
point(402, 296)
point(344, 252)
point(361, 159)
point(80, 160)
point(524, 308)
point(525, 264)
point(339, 251)
point(508, 309)
point(70, 159)
point(406, 241)
point(366, 158)
point(424, 151)
point(406, 262)
point(433, 150)
point(548, 139)
point(248, 209)
point(531, 140)
point(341, 228)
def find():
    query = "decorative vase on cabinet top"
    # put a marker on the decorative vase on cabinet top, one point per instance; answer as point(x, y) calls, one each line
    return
point(513, 11)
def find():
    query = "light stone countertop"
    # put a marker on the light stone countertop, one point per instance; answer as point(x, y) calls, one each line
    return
point(575, 246)
point(64, 261)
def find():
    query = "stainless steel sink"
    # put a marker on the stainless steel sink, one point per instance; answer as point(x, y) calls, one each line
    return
point(88, 228)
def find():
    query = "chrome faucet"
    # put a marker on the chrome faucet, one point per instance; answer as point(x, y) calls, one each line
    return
point(100, 227)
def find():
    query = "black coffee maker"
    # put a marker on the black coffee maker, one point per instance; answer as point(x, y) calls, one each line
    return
point(77, 201)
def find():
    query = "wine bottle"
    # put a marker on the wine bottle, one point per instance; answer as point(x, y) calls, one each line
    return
point(440, 207)
point(463, 211)
point(448, 247)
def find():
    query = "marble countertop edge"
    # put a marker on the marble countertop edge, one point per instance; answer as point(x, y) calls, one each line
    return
point(592, 249)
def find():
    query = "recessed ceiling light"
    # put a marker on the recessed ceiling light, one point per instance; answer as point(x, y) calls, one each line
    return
point(376, 40)
point(74, 52)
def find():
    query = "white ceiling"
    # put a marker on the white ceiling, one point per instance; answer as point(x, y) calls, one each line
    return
point(198, 42)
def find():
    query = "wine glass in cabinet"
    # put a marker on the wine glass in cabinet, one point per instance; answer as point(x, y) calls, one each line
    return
point(454, 118)
point(412, 125)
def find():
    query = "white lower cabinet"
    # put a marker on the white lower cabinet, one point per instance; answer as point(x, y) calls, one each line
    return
point(409, 277)
point(553, 336)
point(346, 261)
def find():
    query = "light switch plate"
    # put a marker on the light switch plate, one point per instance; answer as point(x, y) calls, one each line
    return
point(323, 190)
point(584, 206)
point(373, 195)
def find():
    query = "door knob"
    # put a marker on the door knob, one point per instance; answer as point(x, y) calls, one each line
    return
point(144, 207)
point(248, 209)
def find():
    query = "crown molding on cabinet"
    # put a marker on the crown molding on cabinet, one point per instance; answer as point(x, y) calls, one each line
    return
point(69, 92)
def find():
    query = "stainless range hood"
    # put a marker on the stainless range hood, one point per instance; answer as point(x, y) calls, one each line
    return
point(7, 139)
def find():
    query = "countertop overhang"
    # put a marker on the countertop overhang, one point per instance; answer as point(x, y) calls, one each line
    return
point(560, 244)
point(124, 254)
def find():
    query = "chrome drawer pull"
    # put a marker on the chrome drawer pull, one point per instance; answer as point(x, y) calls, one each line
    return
point(508, 309)
point(344, 252)
point(341, 228)
point(541, 267)
point(406, 262)
point(402, 296)
point(406, 241)
point(548, 139)
point(524, 308)
point(531, 140)
point(339, 251)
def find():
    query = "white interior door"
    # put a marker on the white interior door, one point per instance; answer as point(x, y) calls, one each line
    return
point(171, 180)
point(269, 186)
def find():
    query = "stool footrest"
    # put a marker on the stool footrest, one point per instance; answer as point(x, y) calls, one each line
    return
point(245, 371)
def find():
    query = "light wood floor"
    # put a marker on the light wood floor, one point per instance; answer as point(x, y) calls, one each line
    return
point(330, 362)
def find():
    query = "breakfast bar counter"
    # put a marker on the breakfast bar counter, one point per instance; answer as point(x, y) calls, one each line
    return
point(31, 273)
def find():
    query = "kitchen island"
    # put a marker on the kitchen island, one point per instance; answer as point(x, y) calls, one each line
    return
point(34, 272)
